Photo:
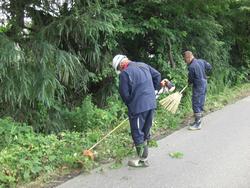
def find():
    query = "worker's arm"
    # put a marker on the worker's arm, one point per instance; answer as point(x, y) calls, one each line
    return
point(156, 77)
point(208, 67)
point(124, 87)
point(191, 73)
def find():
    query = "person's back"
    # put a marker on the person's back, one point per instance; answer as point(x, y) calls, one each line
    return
point(197, 72)
point(140, 94)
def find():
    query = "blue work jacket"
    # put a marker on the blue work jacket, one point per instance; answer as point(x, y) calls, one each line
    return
point(197, 70)
point(137, 86)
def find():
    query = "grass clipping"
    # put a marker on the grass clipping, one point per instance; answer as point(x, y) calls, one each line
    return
point(176, 155)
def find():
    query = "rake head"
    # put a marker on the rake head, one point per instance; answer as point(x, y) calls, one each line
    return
point(89, 154)
point(171, 102)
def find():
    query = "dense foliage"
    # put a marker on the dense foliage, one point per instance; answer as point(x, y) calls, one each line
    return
point(54, 53)
point(55, 72)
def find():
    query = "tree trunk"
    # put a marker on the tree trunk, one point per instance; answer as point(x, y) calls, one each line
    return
point(170, 56)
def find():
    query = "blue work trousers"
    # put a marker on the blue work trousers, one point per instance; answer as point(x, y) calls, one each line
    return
point(198, 98)
point(140, 125)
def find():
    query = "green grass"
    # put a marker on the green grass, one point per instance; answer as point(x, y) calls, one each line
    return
point(30, 156)
point(176, 155)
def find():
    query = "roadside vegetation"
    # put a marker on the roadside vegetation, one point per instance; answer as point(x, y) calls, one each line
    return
point(58, 92)
point(26, 155)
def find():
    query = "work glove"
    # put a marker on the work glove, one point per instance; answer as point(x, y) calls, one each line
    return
point(169, 86)
point(166, 86)
point(164, 82)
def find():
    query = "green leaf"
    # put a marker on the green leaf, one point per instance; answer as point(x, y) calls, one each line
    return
point(176, 155)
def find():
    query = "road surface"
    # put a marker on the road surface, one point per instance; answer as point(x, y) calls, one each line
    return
point(217, 156)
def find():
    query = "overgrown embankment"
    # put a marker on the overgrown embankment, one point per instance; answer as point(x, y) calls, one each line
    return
point(58, 90)
point(26, 155)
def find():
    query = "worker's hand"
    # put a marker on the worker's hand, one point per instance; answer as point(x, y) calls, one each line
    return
point(168, 84)
point(172, 88)
point(164, 82)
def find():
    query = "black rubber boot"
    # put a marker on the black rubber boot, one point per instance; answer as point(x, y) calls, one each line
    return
point(142, 160)
point(197, 123)
point(142, 150)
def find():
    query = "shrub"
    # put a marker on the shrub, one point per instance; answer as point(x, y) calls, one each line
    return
point(89, 116)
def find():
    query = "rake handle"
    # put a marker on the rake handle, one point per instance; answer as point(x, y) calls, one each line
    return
point(183, 89)
point(108, 134)
point(115, 129)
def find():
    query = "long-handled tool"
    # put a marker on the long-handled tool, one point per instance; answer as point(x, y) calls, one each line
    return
point(172, 101)
point(89, 152)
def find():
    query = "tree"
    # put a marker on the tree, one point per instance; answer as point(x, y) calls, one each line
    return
point(51, 51)
point(54, 53)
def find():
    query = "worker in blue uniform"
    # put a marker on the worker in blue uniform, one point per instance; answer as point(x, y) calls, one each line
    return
point(137, 84)
point(197, 77)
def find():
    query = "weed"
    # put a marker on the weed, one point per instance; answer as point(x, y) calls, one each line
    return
point(176, 155)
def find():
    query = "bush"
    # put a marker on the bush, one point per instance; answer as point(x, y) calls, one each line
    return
point(25, 155)
point(89, 116)
point(11, 131)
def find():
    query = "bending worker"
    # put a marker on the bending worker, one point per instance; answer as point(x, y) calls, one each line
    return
point(197, 69)
point(137, 84)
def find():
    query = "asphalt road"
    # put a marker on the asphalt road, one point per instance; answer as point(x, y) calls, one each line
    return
point(217, 156)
